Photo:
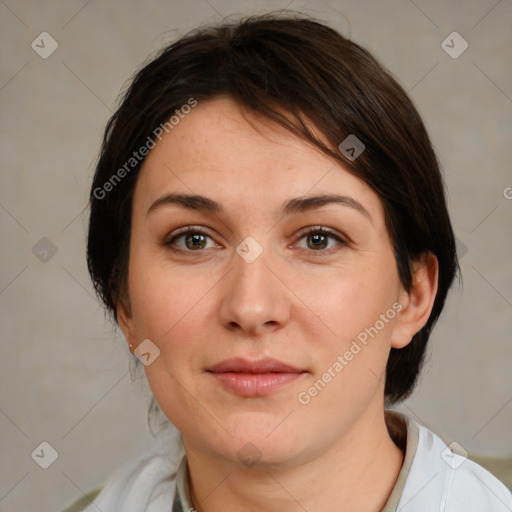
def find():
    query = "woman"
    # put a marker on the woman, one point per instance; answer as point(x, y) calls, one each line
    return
point(268, 228)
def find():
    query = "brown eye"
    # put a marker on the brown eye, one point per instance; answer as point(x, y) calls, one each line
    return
point(194, 240)
point(318, 239)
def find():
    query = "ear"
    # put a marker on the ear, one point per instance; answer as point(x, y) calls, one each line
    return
point(416, 303)
point(126, 322)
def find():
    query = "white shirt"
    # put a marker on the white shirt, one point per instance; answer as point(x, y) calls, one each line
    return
point(433, 478)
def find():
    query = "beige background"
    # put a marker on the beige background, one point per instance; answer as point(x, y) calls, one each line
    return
point(65, 373)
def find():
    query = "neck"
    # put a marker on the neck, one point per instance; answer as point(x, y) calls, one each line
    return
point(358, 473)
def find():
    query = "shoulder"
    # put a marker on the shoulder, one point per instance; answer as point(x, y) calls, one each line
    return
point(442, 478)
point(471, 487)
point(149, 477)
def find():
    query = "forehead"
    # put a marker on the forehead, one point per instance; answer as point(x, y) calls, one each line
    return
point(220, 150)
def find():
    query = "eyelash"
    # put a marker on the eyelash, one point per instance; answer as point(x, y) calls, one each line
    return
point(169, 242)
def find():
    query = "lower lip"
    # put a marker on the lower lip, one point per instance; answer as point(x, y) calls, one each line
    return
point(254, 384)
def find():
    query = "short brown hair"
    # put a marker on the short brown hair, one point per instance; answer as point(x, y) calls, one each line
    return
point(294, 70)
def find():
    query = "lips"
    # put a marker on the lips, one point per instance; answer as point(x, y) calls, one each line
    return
point(239, 365)
point(254, 378)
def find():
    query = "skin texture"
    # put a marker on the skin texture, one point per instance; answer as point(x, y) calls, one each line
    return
point(298, 303)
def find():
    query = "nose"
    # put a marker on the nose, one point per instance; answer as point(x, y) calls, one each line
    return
point(255, 299)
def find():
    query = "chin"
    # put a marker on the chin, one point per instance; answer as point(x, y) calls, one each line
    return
point(256, 447)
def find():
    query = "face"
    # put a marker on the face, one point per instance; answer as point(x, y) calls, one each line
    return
point(273, 313)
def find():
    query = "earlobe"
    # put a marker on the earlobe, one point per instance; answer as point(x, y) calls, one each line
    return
point(126, 322)
point(417, 302)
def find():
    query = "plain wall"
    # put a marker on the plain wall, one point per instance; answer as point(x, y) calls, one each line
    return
point(65, 373)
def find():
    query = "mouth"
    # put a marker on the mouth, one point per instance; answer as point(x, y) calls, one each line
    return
point(254, 378)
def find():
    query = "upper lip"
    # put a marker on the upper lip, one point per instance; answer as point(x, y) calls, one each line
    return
point(240, 365)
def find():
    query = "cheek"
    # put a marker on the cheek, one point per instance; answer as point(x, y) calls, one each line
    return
point(169, 309)
point(163, 299)
point(349, 363)
point(348, 300)
point(174, 310)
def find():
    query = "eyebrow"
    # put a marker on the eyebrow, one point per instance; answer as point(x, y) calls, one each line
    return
point(295, 205)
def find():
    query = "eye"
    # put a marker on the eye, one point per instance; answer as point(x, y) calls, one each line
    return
point(194, 239)
point(318, 238)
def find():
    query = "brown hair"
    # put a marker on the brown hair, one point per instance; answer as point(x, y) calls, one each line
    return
point(293, 70)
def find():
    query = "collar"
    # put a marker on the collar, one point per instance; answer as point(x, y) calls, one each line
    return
point(405, 434)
